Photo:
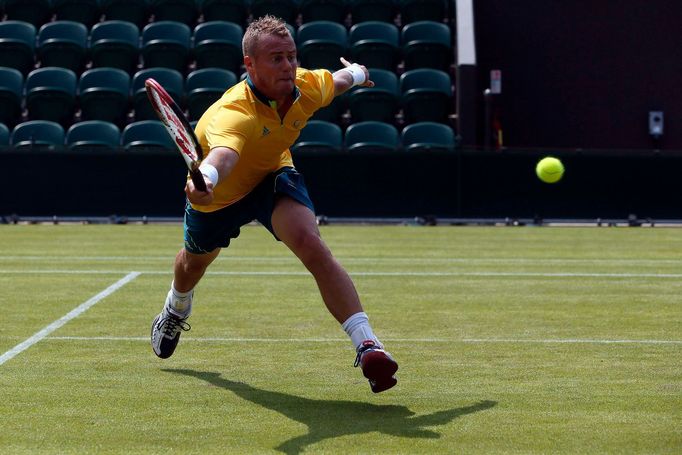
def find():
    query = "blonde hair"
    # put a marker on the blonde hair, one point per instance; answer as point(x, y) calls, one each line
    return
point(263, 26)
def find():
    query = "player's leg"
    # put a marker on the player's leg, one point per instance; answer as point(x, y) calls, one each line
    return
point(295, 225)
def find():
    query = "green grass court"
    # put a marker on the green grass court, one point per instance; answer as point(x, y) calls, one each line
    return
point(510, 340)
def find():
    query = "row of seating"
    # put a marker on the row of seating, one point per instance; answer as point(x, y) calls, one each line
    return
point(190, 12)
point(218, 44)
point(109, 94)
point(316, 136)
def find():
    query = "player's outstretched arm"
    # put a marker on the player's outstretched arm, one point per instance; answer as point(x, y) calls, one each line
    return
point(350, 75)
point(216, 167)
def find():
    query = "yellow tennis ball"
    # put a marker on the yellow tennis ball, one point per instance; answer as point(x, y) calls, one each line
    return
point(549, 169)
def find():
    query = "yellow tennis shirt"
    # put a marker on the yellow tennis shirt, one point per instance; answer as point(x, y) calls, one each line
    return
point(246, 121)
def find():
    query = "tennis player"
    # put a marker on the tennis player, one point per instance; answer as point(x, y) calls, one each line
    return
point(250, 175)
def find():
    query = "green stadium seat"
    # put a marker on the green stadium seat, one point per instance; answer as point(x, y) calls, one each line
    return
point(51, 94)
point(334, 111)
point(371, 136)
point(319, 136)
point(17, 45)
point(93, 135)
point(372, 10)
point(284, 9)
point(185, 11)
point(39, 134)
point(35, 12)
point(115, 44)
point(171, 80)
point(103, 94)
point(63, 44)
point(428, 136)
point(4, 135)
point(146, 134)
point(375, 44)
point(218, 44)
point(225, 10)
point(426, 95)
point(426, 44)
point(323, 10)
point(321, 44)
point(11, 94)
point(134, 11)
point(422, 10)
point(166, 44)
point(83, 11)
point(204, 87)
point(379, 103)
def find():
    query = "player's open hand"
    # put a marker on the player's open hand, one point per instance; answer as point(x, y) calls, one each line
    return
point(198, 197)
point(368, 82)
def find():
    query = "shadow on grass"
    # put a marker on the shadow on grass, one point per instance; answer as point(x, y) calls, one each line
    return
point(330, 419)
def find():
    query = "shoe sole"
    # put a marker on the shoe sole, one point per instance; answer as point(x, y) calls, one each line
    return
point(379, 369)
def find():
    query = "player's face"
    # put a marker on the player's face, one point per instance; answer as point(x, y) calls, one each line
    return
point(273, 66)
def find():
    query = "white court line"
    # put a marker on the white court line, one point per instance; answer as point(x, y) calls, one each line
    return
point(80, 309)
point(388, 340)
point(386, 274)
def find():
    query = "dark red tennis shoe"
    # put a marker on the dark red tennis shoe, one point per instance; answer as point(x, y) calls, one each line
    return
point(377, 365)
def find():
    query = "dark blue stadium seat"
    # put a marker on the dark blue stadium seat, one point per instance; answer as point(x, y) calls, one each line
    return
point(83, 11)
point(422, 10)
point(225, 10)
point(11, 95)
point(93, 135)
point(335, 111)
point(115, 44)
point(319, 135)
point(284, 9)
point(39, 134)
point(63, 44)
point(35, 12)
point(426, 44)
point(185, 11)
point(203, 87)
point(428, 136)
point(135, 11)
point(379, 103)
point(218, 44)
point(51, 94)
point(321, 44)
point(103, 94)
point(146, 134)
point(426, 95)
point(166, 44)
point(372, 10)
point(17, 45)
point(371, 137)
point(4, 135)
point(323, 10)
point(171, 80)
point(375, 44)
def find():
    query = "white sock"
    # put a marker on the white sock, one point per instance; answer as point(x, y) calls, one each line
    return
point(358, 329)
point(179, 303)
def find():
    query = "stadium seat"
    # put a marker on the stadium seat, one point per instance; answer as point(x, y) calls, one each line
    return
point(426, 44)
point(218, 44)
point(379, 103)
point(185, 11)
point(4, 135)
point(375, 44)
point(63, 44)
point(334, 111)
point(318, 135)
point(83, 11)
point(93, 135)
point(321, 44)
point(371, 136)
point(323, 10)
point(224, 10)
point(427, 136)
point(37, 134)
point(284, 9)
point(134, 11)
point(51, 94)
point(115, 44)
point(372, 10)
point(103, 94)
point(11, 94)
point(17, 45)
point(35, 12)
point(166, 44)
point(169, 79)
point(422, 10)
point(203, 87)
point(426, 95)
point(146, 134)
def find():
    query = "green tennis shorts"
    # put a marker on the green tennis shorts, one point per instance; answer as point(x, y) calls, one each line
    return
point(204, 232)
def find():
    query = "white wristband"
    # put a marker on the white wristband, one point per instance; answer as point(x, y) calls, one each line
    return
point(210, 172)
point(357, 73)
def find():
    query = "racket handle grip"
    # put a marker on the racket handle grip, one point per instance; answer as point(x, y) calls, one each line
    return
point(198, 180)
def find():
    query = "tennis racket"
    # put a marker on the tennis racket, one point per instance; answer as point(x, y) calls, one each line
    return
point(179, 129)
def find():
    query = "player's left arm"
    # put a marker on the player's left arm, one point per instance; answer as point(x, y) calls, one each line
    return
point(350, 75)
